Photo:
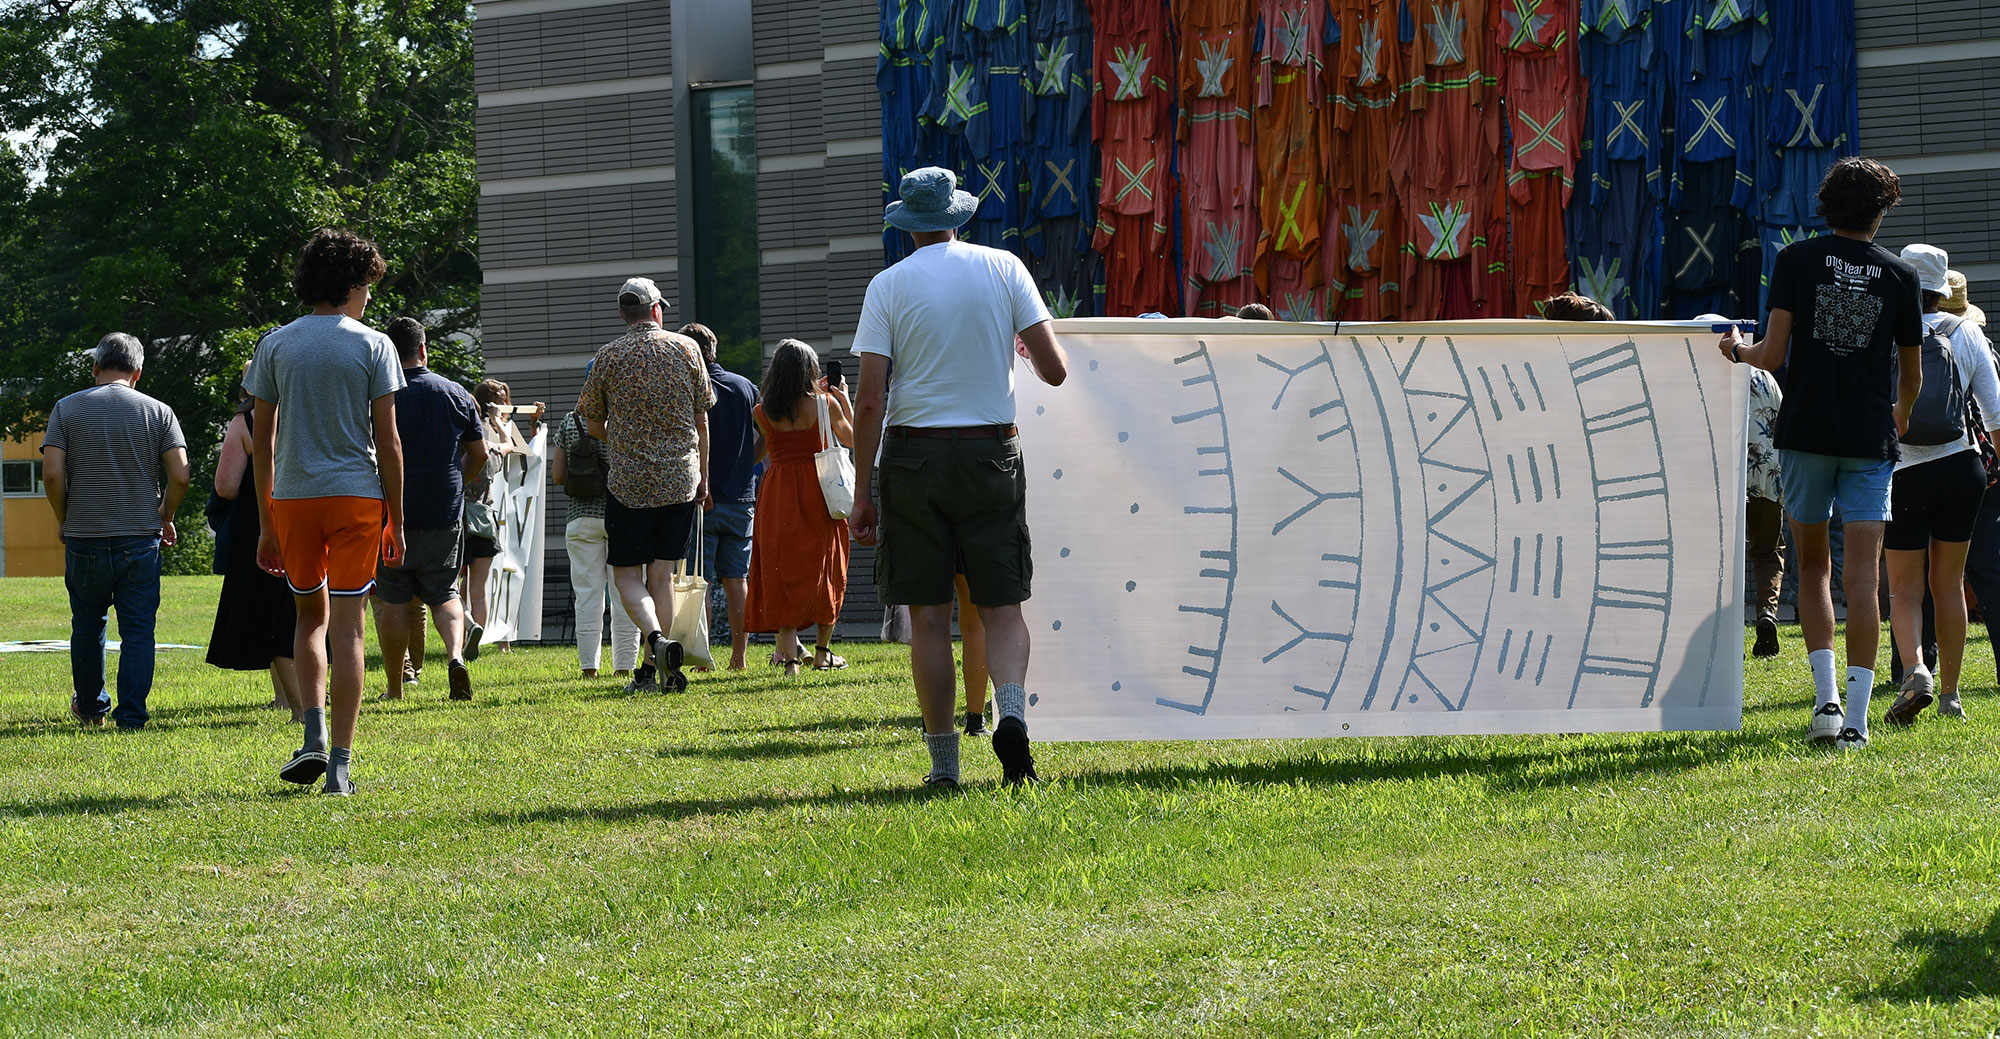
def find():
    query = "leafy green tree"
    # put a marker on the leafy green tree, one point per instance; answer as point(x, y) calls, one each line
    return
point(181, 151)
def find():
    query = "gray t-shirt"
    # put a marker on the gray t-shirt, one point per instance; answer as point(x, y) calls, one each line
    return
point(112, 437)
point(323, 372)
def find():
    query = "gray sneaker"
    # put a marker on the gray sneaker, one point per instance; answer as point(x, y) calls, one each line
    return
point(1949, 706)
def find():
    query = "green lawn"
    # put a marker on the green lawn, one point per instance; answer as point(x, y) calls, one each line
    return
point(557, 858)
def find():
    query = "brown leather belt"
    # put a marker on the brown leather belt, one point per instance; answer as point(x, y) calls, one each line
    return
point(955, 432)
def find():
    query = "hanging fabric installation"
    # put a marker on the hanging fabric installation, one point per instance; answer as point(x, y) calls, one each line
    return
point(1376, 159)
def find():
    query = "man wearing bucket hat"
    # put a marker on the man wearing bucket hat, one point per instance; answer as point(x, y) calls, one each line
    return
point(647, 397)
point(952, 484)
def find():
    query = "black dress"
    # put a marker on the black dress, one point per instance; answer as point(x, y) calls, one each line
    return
point(256, 617)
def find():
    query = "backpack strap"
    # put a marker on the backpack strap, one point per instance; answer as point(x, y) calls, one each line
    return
point(1949, 326)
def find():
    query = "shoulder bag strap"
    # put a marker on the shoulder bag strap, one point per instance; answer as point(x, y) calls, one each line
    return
point(825, 423)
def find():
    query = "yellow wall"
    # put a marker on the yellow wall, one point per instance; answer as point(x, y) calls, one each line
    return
point(33, 550)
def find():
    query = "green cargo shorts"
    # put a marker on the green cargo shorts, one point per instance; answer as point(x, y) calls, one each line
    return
point(952, 506)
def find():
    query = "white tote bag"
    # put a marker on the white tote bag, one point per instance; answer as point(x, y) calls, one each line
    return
point(690, 623)
point(836, 467)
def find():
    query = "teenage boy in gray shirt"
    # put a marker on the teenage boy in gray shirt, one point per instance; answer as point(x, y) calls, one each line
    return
point(334, 465)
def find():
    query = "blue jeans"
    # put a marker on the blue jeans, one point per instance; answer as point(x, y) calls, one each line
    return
point(102, 573)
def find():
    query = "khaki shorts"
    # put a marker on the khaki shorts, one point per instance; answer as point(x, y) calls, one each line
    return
point(949, 507)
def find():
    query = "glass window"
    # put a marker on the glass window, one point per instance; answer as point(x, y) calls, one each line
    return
point(22, 478)
point(725, 224)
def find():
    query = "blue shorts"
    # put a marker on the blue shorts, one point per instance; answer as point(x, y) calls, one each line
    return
point(1813, 484)
point(725, 539)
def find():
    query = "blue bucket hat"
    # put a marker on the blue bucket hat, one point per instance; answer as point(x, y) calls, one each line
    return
point(931, 201)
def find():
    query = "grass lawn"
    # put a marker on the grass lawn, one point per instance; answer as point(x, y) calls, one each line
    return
point(752, 858)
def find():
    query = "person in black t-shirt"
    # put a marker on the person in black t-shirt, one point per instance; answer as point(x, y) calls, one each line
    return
point(1845, 323)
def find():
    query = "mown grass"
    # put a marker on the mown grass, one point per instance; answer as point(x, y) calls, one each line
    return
point(752, 858)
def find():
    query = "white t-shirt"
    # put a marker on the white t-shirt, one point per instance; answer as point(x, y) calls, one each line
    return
point(946, 317)
point(1976, 376)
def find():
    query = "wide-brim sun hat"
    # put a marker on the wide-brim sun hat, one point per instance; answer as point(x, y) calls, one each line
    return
point(1955, 301)
point(931, 201)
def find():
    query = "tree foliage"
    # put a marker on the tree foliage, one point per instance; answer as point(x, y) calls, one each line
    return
point(178, 153)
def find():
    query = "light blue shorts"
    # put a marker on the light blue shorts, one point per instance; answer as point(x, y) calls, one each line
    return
point(1814, 484)
point(725, 531)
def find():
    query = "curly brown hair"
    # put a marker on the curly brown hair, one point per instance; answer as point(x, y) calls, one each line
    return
point(1857, 191)
point(333, 262)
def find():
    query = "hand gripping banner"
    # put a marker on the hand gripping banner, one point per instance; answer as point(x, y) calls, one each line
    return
point(1264, 529)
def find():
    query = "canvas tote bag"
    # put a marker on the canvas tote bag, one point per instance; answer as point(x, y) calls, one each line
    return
point(836, 467)
point(690, 624)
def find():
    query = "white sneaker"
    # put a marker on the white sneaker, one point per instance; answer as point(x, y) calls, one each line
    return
point(1827, 723)
point(1851, 739)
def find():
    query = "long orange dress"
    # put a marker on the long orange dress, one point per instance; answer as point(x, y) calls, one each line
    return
point(798, 554)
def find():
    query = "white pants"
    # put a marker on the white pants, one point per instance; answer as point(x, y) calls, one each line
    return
point(589, 580)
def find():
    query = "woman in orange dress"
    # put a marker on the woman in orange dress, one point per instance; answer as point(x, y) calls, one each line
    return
point(798, 553)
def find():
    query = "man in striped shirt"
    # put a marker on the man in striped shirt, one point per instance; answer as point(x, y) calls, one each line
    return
point(116, 468)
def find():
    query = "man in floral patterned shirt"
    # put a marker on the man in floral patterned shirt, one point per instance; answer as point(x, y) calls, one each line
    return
point(647, 397)
point(1763, 516)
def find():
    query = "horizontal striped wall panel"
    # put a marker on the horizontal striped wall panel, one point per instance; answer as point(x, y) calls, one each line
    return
point(788, 116)
point(556, 317)
point(847, 278)
point(789, 209)
point(590, 225)
point(611, 42)
point(1915, 109)
point(1903, 23)
point(849, 23)
point(786, 30)
point(849, 104)
point(1950, 211)
point(605, 133)
point(853, 196)
point(792, 303)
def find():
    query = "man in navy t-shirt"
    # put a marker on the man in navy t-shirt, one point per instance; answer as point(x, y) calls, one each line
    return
point(733, 443)
point(443, 444)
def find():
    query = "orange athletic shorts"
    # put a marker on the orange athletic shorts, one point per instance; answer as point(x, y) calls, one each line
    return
point(331, 543)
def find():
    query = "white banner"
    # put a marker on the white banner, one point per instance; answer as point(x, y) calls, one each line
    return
point(514, 588)
point(1262, 529)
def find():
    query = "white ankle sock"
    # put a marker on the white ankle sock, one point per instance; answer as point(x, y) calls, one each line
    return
point(1824, 691)
point(1860, 683)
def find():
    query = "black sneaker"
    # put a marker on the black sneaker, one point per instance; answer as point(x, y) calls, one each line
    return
point(305, 767)
point(473, 633)
point(643, 681)
point(1767, 638)
point(338, 786)
point(461, 680)
point(1010, 745)
point(975, 726)
point(667, 657)
point(940, 783)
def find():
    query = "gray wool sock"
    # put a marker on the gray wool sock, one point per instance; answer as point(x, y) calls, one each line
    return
point(944, 754)
point(337, 761)
point(315, 724)
point(1011, 701)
